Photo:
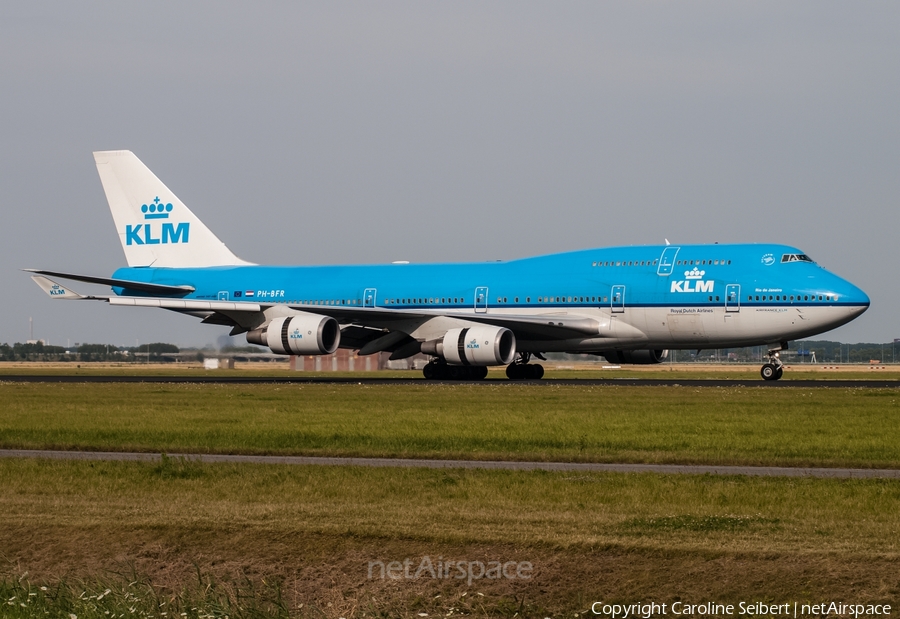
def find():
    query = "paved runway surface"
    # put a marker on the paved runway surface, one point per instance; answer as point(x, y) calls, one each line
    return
point(337, 380)
point(758, 471)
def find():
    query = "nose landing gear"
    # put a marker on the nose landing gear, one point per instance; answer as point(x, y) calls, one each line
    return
point(774, 368)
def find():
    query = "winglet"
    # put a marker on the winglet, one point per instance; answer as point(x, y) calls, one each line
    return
point(55, 290)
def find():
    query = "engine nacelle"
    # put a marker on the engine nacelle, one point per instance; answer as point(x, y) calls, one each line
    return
point(300, 334)
point(636, 357)
point(474, 346)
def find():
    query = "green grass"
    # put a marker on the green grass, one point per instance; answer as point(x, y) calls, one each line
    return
point(198, 535)
point(460, 506)
point(748, 426)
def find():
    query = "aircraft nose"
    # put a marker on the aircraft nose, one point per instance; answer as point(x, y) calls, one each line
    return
point(854, 297)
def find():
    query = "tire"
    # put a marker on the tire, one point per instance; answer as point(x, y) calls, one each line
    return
point(480, 372)
point(428, 371)
point(769, 372)
point(514, 371)
point(536, 371)
point(779, 373)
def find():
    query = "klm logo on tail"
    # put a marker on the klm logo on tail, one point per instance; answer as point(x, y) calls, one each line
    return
point(149, 234)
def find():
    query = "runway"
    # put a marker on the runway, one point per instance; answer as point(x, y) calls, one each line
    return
point(345, 380)
point(584, 467)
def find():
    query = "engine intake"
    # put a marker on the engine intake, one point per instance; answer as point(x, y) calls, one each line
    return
point(636, 357)
point(301, 334)
point(474, 346)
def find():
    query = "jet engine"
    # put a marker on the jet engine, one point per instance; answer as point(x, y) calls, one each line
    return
point(300, 334)
point(636, 357)
point(474, 346)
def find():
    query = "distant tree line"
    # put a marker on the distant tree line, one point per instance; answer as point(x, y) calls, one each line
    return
point(88, 352)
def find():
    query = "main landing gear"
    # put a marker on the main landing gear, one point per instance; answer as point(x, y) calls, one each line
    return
point(774, 368)
point(522, 370)
point(436, 370)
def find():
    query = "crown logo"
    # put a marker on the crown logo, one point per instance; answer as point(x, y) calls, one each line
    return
point(156, 209)
point(694, 274)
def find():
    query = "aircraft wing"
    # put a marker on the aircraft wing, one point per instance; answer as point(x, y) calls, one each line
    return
point(531, 327)
point(369, 323)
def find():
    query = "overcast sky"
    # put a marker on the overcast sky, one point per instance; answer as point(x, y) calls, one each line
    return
point(366, 132)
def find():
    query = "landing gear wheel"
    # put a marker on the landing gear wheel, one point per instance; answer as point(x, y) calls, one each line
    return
point(479, 372)
point(514, 371)
point(436, 371)
point(524, 371)
point(773, 368)
point(535, 371)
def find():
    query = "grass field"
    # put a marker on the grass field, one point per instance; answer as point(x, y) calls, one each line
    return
point(314, 531)
point(201, 540)
point(741, 426)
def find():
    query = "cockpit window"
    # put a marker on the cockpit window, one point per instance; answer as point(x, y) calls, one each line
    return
point(796, 258)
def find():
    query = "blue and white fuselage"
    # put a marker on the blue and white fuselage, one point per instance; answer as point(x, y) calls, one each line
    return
point(627, 303)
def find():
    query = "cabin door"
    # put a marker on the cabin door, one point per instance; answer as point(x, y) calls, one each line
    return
point(617, 299)
point(369, 297)
point(667, 261)
point(481, 299)
point(733, 298)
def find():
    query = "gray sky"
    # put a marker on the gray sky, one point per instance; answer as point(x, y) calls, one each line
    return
point(360, 132)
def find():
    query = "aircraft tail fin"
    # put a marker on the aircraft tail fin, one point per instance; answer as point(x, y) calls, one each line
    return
point(154, 226)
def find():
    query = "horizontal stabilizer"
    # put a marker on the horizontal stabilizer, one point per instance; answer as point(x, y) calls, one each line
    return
point(161, 289)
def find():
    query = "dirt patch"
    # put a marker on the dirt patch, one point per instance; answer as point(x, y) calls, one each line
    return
point(348, 575)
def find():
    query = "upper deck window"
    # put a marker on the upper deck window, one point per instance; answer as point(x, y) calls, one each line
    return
point(796, 258)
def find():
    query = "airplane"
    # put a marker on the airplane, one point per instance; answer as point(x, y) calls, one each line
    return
point(627, 304)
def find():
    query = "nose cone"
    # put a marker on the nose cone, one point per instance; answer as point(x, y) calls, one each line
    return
point(853, 296)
